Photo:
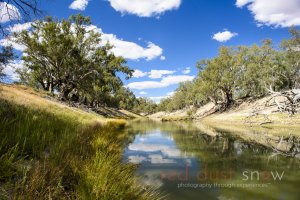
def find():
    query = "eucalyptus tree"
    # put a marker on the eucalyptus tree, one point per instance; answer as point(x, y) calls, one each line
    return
point(66, 56)
point(218, 76)
point(291, 49)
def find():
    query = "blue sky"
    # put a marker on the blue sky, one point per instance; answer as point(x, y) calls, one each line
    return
point(163, 39)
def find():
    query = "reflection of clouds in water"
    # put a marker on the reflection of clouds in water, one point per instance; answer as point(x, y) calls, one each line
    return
point(188, 161)
point(142, 139)
point(158, 159)
point(238, 147)
point(165, 149)
point(153, 159)
point(137, 159)
point(151, 178)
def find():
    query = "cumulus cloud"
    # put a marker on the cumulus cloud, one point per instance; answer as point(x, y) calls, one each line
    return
point(276, 13)
point(153, 74)
point(187, 70)
point(224, 36)
point(159, 73)
point(162, 58)
point(241, 3)
point(165, 82)
point(8, 12)
point(10, 69)
point(170, 93)
point(159, 98)
point(126, 49)
point(138, 73)
point(79, 5)
point(19, 27)
point(144, 8)
point(131, 50)
point(10, 41)
point(143, 93)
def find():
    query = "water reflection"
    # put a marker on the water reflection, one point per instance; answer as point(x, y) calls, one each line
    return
point(171, 154)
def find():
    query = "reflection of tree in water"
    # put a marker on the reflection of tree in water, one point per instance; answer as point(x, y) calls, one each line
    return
point(222, 153)
point(219, 151)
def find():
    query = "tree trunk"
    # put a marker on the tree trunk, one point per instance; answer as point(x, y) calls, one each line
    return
point(227, 97)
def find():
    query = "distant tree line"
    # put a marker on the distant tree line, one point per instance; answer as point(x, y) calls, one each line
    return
point(65, 57)
point(241, 72)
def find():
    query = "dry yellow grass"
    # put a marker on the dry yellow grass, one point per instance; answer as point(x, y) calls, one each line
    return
point(40, 100)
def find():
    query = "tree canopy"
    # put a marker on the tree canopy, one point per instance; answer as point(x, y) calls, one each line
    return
point(241, 72)
point(66, 57)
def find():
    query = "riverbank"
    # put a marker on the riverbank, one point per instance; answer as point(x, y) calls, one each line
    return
point(253, 112)
point(49, 150)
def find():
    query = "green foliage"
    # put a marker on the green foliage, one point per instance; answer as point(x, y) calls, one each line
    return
point(183, 96)
point(6, 55)
point(144, 105)
point(66, 56)
point(291, 50)
point(241, 72)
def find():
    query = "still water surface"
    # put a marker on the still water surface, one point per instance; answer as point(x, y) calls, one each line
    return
point(187, 162)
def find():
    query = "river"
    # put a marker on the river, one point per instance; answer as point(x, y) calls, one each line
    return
point(184, 161)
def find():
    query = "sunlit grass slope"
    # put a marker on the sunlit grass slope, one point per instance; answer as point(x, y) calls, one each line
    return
point(51, 151)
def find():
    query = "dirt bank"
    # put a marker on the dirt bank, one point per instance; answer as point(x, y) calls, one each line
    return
point(263, 111)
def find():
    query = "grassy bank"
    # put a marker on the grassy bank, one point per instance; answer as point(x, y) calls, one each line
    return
point(52, 151)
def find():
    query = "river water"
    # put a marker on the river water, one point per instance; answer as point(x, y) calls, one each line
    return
point(183, 161)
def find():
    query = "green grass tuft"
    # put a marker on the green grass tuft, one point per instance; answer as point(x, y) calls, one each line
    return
point(58, 155)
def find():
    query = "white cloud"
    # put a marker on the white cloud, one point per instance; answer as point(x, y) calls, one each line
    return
point(162, 58)
point(153, 74)
point(170, 93)
point(241, 3)
point(79, 5)
point(159, 73)
point(278, 13)
point(171, 80)
point(19, 27)
point(138, 73)
point(10, 69)
point(144, 8)
point(165, 82)
point(143, 93)
point(10, 41)
point(145, 85)
point(224, 36)
point(158, 98)
point(8, 12)
point(187, 70)
point(131, 50)
point(126, 49)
